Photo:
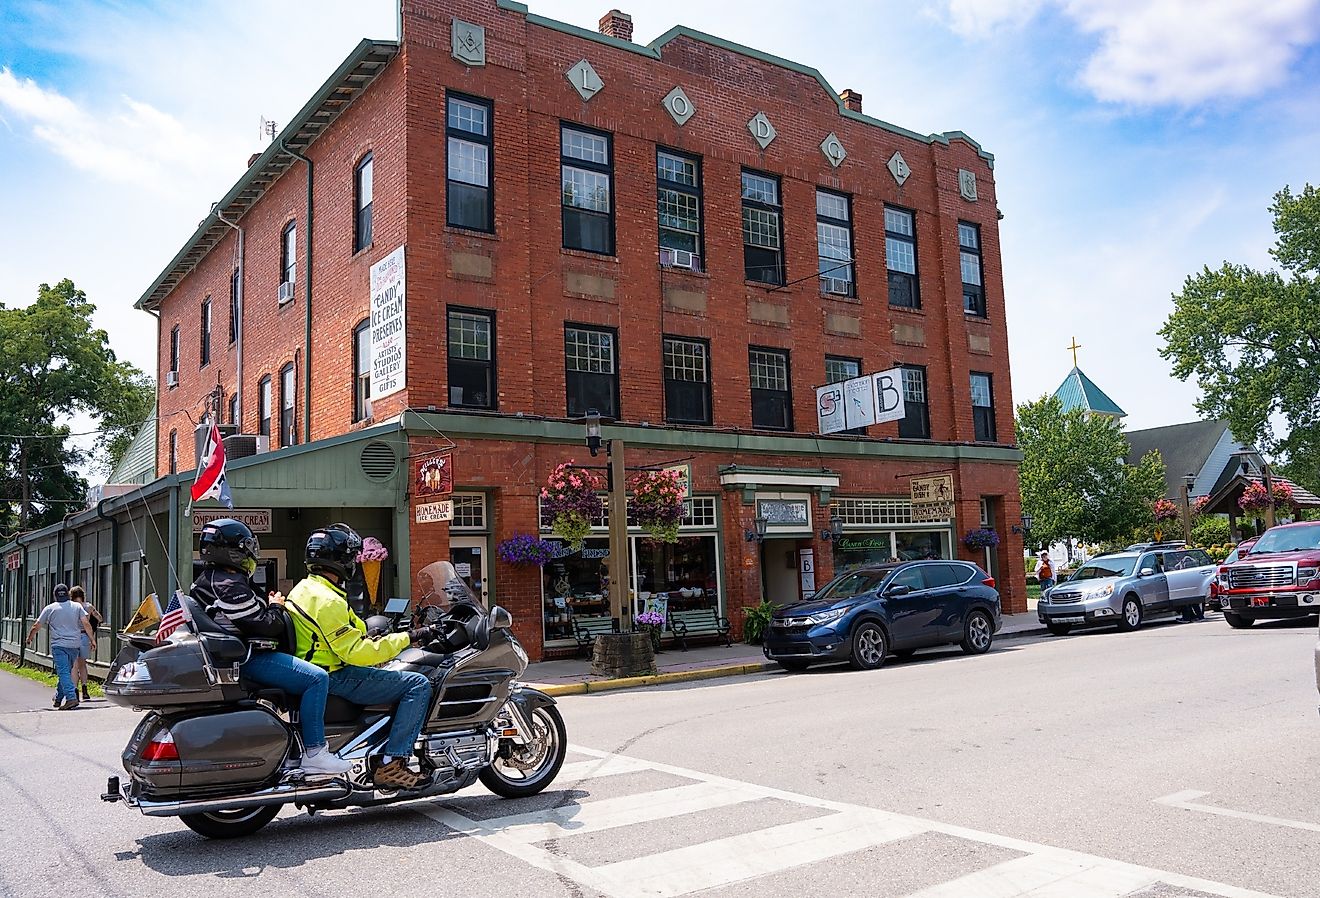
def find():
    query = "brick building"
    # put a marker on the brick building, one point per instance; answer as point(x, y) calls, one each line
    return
point(689, 236)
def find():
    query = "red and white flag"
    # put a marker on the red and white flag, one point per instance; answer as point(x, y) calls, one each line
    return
point(210, 482)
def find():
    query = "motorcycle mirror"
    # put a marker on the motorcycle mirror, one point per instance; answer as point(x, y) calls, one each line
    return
point(500, 619)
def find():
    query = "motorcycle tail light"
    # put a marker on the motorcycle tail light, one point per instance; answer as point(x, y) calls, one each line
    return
point(161, 748)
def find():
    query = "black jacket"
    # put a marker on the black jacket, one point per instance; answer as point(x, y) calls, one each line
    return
point(230, 599)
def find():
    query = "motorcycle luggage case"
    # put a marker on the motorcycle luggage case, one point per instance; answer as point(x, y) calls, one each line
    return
point(218, 753)
point(167, 676)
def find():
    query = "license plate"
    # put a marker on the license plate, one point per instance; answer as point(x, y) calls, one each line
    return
point(1070, 619)
point(1260, 601)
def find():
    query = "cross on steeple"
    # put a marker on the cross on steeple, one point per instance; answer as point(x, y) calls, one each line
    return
point(1074, 347)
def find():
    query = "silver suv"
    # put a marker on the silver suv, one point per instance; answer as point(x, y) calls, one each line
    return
point(1127, 587)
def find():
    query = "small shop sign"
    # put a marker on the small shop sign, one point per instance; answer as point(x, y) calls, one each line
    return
point(784, 512)
point(435, 475)
point(258, 520)
point(435, 512)
point(684, 478)
point(932, 498)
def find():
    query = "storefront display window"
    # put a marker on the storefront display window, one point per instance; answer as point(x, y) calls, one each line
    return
point(575, 584)
point(880, 530)
point(681, 576)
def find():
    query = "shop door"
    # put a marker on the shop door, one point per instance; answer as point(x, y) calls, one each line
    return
point(780, 578)
point(468, 554)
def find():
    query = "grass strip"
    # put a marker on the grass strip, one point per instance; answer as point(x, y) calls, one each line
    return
point(41, 675)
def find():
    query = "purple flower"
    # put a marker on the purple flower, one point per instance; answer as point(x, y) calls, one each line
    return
point(524, 548)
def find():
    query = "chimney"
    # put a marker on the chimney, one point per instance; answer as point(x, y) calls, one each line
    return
point(851, 100)
point(616, 24)
point(253, 158)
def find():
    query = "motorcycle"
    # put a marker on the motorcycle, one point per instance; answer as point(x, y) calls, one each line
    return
point(222, 755)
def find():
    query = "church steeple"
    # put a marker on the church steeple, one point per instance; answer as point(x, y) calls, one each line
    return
point(1079, 391)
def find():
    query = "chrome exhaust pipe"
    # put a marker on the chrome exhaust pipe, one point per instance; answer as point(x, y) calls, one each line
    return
point(276, 795)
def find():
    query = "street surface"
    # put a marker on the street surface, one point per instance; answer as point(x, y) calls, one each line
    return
point(1181, 760)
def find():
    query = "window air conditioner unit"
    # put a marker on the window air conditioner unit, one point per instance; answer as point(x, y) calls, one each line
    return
point(680, 258)
point(836, 286)
point(286, 291)
point(171, 378)
point(244, 445)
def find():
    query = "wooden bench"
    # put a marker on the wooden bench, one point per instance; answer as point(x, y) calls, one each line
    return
point(704, 622)
point(586, 629)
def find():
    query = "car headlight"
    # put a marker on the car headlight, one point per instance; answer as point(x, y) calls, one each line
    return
point(1099, 592)
point(1306, 575)
point(825, 617)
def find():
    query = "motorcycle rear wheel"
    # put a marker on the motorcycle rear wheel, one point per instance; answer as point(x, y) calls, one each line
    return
point(230, 824)
point(548, 747)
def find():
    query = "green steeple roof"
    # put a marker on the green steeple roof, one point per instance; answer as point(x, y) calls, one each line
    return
point(1079, 391)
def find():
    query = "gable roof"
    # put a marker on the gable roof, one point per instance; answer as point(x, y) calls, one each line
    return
point(1079, 391)
point(1185, 449)
point(139, 462)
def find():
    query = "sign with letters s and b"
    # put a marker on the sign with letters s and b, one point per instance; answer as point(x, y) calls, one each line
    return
point(861, 401)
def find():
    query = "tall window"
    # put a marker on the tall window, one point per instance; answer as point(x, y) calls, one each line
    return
point(591, 378)
point(362, 190)
point(772, 401)
point(916, 422)
point(969, 260)
point(469, 199)
point(687, 381)
point(362, 370)
point(587, 175)
point(206, 332)
point(983, 407)
point(174, 349)
point(233, 306)
point(289, 254)
point(763, 252)
point(174, 452)
point(288, 433)
point(233, 409)
point(263, 406)
point(678, 203)
point(901, 258)
point(471, 359)
point(839, 369)
point(834, 243)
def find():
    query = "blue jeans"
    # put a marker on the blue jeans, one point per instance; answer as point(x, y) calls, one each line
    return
point(1046, 583)
point(373, 686)
point(64, 658)
point(296, 677)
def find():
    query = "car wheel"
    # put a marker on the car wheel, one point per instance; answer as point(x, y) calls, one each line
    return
point(1059, 629)
point(978, 633)
point(1237, 621)
point(869, 647)
point(795, 666)
point(1130, 619)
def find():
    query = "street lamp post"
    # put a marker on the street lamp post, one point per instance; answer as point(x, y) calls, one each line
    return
point(616, 481)
point(1189, 481)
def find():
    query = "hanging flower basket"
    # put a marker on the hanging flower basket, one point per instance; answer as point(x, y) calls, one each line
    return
point(656, 504)
point(1254, 498)
point(1199, 505)
point(569, 498)
point(981, 538)
point(1164, 510)
point(524, 548)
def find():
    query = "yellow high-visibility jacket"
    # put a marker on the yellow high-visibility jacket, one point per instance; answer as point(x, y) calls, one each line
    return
point(330, 635)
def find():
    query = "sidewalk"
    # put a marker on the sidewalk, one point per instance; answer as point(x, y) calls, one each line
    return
point(573, 676)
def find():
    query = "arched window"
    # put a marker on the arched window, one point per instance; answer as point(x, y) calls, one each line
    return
point(263, 406)
point(288, 432)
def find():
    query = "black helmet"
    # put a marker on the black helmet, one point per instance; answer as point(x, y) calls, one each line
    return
point(229, 543)
point(334, 549)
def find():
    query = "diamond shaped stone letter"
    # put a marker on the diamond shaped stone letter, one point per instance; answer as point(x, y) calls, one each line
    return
point(833, 150)
point(898, 167)
point(469, 42)
point(678, 106)
point(762, 130)
point(967, 185)
point(584, 80)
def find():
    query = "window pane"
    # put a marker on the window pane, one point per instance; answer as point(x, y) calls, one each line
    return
point(831, 205)
point(900, 255)
point(470, 383)
point(669, 167)
point(760, 228)
point(898, 221)
point(679, 211)
point(759, 188)
point(769, 370)
point(364, 187)
point(968, 236)
point(589, 351)
point(588, 231)
point(586, 189)
point(470, 117)
point(837, 370)
point(971, 268)
point(981, 390)
point(834, 246)
point(469, 206)
point(469, 336)
point(587, 147)
point(469, 162)
point(685, 361)
point(914, 385)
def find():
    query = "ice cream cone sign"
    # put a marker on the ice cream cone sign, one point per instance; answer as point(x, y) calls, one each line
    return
point(372, 555)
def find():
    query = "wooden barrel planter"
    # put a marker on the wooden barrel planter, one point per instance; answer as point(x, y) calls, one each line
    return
point(623, 655)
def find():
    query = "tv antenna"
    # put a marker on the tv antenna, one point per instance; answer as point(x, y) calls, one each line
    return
point(267, 129)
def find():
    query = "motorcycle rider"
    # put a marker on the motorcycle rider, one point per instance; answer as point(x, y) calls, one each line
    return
point(229, 552)
point(331, 636)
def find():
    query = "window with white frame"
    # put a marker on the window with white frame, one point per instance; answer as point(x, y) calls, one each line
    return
point(469, 512)
point(901, 258)
point(586, 181)
point(763, 251)
point(591, 378)
point(969, 260)
point(678, 206)
point(834, 243)
point(687, 380)
point(772, 400)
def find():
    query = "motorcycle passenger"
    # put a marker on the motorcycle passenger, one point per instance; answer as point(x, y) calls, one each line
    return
point(229, 552)
point(331, 636)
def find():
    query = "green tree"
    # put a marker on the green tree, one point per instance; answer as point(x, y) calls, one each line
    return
point(1073, 479)
point(1252, 340)
point(56, 365)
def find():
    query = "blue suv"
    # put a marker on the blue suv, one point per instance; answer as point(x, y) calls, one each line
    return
point(868, 613)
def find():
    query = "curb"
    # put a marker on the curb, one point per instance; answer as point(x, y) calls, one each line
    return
point(1018, 634)
point(678, 676)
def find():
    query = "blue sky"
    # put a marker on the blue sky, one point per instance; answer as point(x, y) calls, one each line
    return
point(1135, 140)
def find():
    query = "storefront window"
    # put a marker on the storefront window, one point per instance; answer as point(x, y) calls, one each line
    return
point(575, 584)
point(857, 549)
point(920, 544)
point(681, 576)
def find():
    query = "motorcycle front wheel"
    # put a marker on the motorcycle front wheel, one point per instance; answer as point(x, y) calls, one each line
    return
point(230, 824)
point(522, 770)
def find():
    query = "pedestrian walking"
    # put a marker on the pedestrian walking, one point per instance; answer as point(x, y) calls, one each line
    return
point(67, 622)
point(1044, 571)
point(88, 648)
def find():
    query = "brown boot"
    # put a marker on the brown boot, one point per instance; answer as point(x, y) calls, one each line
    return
point(396, 775)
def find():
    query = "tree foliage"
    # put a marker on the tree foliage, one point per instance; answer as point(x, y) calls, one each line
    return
point(1073, 480)
point(1252, 340)
point(56, 365)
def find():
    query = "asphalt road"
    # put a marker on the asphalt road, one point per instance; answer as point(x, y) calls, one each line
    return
point(1182, 760)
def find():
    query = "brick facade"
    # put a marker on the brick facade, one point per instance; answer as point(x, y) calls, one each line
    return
point(534, 287)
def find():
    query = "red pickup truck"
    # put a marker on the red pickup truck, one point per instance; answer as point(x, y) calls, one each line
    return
point(1278, 578)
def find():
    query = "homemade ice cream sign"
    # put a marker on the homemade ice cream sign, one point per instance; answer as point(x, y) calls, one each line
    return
point(388, 326)
point(869, 399)
point(932, 498)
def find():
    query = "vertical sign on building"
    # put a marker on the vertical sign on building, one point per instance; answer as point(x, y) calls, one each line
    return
point(388, 326)
point(807, 572)
point(889, 404)
point(859, 401)
point(829, 408)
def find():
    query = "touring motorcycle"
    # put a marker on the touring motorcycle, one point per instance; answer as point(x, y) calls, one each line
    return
point(222, 754)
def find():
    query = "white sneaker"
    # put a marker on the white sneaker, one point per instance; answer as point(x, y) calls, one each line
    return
point(324, 762)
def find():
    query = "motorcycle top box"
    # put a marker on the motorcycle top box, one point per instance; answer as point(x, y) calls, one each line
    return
point(144, 675)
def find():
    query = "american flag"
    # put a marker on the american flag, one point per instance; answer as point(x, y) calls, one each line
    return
point(172, 619)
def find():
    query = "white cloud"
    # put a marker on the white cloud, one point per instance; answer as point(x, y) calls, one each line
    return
point(1167, 52)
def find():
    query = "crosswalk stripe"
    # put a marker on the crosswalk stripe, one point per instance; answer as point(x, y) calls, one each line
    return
point(602, 766)
point(1045, 875)
point(747, 856)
